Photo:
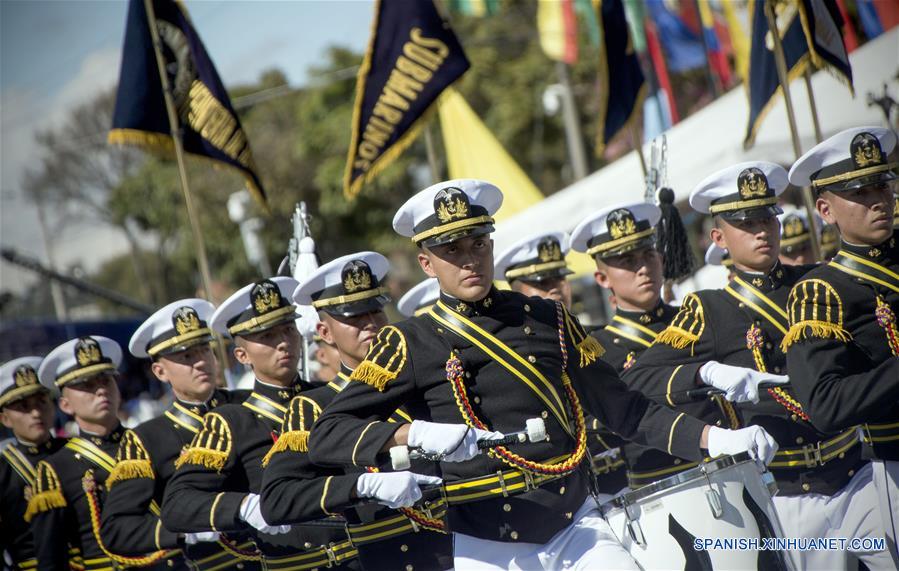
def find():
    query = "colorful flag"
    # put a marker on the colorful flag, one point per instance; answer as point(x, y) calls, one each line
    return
point(738, 39)
point(764, 85)
point(621, 84)
point(821, 21)
point(849, 36)
point(682, 47)
point(661, 71)
point(867, 14)
point(717, 58)
point(413, 55)
point(557, 26)
point(472, 151)
point(476, 8)
point(209, 124)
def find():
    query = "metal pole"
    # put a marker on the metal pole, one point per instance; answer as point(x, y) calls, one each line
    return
point(174, 125)
point(638, 147)
point(812, 105)
point(432, 155)
point(807, 197)
point(572, 125)
point(59, 300)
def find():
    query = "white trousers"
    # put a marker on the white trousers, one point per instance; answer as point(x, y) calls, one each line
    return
point(886, 482)
point(851, 512)
point(587, 544)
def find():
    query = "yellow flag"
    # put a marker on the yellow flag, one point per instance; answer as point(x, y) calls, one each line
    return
point(738, 39)
point(473, 152)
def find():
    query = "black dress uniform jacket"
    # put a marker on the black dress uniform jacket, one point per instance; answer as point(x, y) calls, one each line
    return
point(408, 365)
point(742, 325)
point(17, 473)
point(296, 490)
point(67, 499)
point(624, 339)
point(843, 344)
point(144, 465)
point(224, 463)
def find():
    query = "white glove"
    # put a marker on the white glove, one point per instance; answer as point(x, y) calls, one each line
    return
point(455, 442)
point(251, 513)
point(752, 439)
point(393, 489)
point(738, 383)
point(201, 536)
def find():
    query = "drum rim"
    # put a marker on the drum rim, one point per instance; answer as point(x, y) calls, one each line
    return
point(618, 502)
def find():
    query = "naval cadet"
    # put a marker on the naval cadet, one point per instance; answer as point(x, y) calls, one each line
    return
point(218, 477)
point(730, 339)
point(349, 295)
point(843, 340)
point(27, 410)
point(69, 485)
point(621, 239)
point(483, 362)
point(536, 266)
point(177, 338)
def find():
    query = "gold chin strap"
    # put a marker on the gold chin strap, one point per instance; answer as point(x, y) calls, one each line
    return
point(262, 319)
point(535, 268)
point(605, 246)
point(350, 298)
point(853, 174)
point(458, 224)
point(741, 204)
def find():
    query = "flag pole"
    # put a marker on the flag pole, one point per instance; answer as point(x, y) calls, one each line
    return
point(431, 152)
point(779, 59)
point(812, 105)
point(175, 127)
point(636, 141)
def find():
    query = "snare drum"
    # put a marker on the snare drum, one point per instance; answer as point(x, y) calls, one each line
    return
point(726, 498)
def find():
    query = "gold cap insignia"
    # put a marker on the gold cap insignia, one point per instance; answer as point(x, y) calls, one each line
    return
point(451, 204)
point(621, 223)
point(185, 320)
point(25, 375)
point(356, 276)
point(752, 183)
point(866, 151)
point(87, 352)
point(793, 226)
point(266, 297)
point(549, 250)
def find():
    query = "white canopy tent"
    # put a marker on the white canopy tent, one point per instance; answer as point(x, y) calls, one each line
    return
point(712, 139)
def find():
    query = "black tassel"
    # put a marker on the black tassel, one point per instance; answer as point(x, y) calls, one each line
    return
point(677, 256)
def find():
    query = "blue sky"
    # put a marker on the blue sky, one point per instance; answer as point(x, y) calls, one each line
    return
point(55, 55)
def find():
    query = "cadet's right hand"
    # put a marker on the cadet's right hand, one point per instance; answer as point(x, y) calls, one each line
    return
point(752, 439)
point(393, 489)
point(251, 513)
point(738, 383)
point(454, 442)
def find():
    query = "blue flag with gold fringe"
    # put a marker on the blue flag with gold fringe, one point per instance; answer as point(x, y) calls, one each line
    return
point(822, 22)
point(764, 85)
point(210, 127)
point(413, 55)
point(622, 87)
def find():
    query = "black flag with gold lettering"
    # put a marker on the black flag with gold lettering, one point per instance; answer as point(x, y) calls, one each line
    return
point(209, 124)
point(413, 55)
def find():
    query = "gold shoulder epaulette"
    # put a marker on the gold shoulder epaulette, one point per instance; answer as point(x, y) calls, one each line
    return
point(210, 446)
point(132, 461)
point(588, 347)
point(385, 359)
point(302, 412)
point(687, 326)
point(815, 310)
point(47, 493)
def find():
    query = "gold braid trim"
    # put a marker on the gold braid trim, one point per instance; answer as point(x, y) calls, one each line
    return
point(294, 441)
point(677, 337)
point(130, 470)
point(373, 375)
point(212, 459)
point(44, 502)
point(89, 485)
point(590, 350)
point(814, 328)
